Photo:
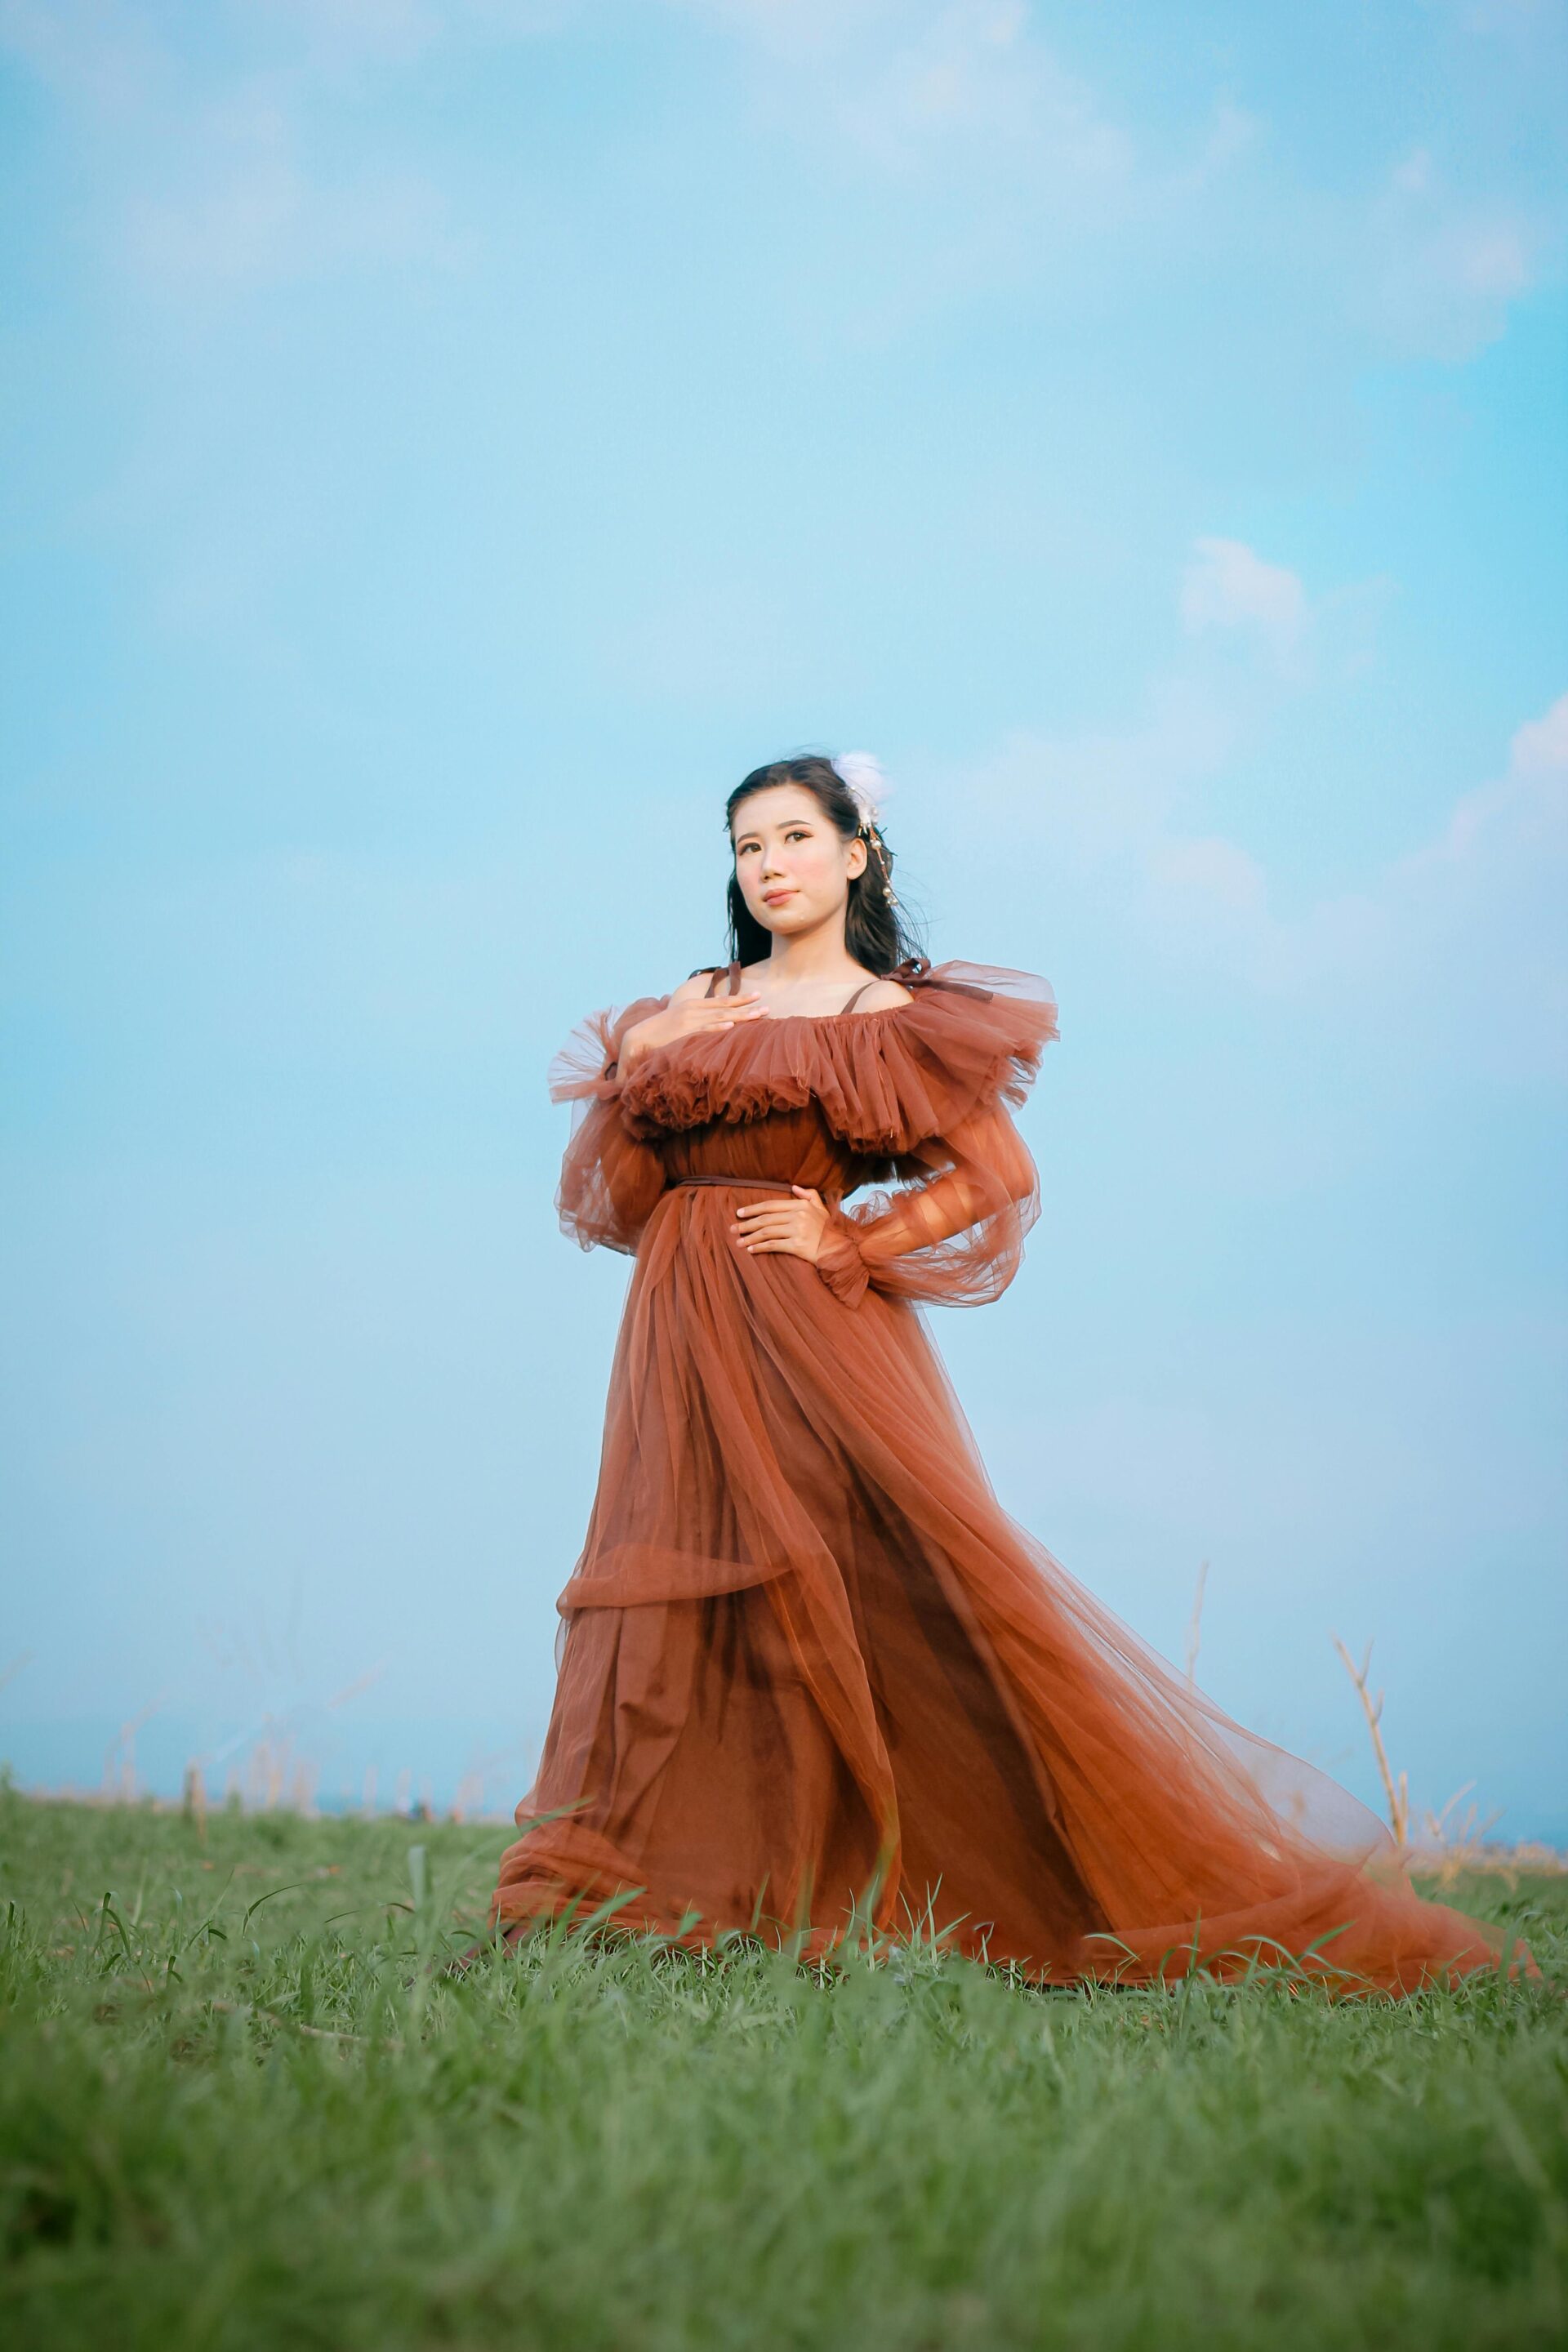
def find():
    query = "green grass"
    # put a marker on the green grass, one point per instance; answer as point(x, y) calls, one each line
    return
point(235, 2113)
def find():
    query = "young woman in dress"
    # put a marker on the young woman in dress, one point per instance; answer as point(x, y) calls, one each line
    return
point(811, 1676)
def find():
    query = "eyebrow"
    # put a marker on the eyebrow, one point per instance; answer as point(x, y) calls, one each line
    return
point(750, 833)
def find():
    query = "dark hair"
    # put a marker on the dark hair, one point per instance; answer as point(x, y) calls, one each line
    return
point(875, 930)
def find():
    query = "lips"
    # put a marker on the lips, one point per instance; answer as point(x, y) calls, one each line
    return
point(775, 897)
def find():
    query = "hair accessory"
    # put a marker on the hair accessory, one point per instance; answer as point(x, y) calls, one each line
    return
point(861, 774)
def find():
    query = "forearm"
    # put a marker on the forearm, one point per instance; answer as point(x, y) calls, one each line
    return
point(610, 1179)
point(594, 1062)
point(632, 1046)
point(954, 1238)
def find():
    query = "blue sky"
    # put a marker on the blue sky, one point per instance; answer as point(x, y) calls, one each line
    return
point(447, 443)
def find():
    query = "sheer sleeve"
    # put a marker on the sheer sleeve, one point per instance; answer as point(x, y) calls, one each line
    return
point(954, 1240)
point(610, 1178)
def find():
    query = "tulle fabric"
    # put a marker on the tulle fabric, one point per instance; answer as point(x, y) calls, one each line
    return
point(810, 1674)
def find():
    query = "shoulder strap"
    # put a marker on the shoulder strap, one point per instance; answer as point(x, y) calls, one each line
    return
point(908, 975)
point(712, 978)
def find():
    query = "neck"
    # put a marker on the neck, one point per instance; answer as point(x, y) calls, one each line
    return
point(808, 958)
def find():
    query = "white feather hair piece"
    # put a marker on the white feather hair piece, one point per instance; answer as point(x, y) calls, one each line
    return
point(860, 773)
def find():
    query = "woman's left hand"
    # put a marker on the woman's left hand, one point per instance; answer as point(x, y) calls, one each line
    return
point(794, 1227)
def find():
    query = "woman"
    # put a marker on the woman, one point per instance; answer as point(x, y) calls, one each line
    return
point(811, 1675)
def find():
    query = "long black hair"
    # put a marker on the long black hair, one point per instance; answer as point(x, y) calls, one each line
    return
point(875, 930)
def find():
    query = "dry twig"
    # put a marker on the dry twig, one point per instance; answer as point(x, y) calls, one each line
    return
point(1396, 1792)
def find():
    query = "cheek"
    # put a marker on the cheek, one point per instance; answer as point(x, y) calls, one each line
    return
point(817, 869)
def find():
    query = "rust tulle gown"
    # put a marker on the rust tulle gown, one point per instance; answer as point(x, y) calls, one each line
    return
point(806, 1657)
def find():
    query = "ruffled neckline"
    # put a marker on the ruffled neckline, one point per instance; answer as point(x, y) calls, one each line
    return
point(817, 1020)
point(886, 1079)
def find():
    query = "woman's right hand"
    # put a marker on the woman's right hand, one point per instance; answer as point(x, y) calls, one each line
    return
point(689, 1016)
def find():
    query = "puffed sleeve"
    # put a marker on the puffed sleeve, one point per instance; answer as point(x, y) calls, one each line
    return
point(926, 1093)
point(610, 1178)
point(954, 1240)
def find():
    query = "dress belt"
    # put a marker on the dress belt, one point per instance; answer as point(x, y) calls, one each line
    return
point(757, 1183)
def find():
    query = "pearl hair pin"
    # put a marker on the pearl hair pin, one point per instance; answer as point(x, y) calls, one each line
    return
point(861, 774)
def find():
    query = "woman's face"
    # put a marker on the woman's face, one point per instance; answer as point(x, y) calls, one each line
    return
point(793, 864)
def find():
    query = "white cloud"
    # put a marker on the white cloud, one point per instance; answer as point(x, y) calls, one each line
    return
point(204, 187)
point(1234, 132)
point(793, 29)
point(965, 93)
point(340, 30)
point(975, 73)
point(102, 49)
point(1462, 933)
point(1541, 746)
point(102, 56)
point(238, 208)
point(1227, 586)
point(1527, 804)
point(1460, 937)
point(1106, 799)
point(1215, 869)
point(1520, 21)
point(968, 101)
point(1441, 270)
point(1474, 931)
point(348, 33)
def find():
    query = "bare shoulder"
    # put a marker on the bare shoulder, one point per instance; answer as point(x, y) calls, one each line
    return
point(883, 995)
point(697, 985)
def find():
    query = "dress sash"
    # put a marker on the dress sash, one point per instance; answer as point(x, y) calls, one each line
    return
point(757, 1183)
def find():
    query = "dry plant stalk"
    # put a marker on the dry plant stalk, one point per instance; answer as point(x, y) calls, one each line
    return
point(120, 1763)
point(1455, 1846)
point(1196, 1624)
point(1464, 1847)
point(1396, 1792)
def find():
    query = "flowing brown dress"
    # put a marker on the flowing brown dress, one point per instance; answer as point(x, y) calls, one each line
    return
point(806, 1659)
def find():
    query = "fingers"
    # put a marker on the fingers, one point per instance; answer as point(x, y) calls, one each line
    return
point(701, 1012)
point(765, 1226)
point(719, 1008)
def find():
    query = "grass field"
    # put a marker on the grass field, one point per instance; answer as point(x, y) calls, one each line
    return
point(237, 2114)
